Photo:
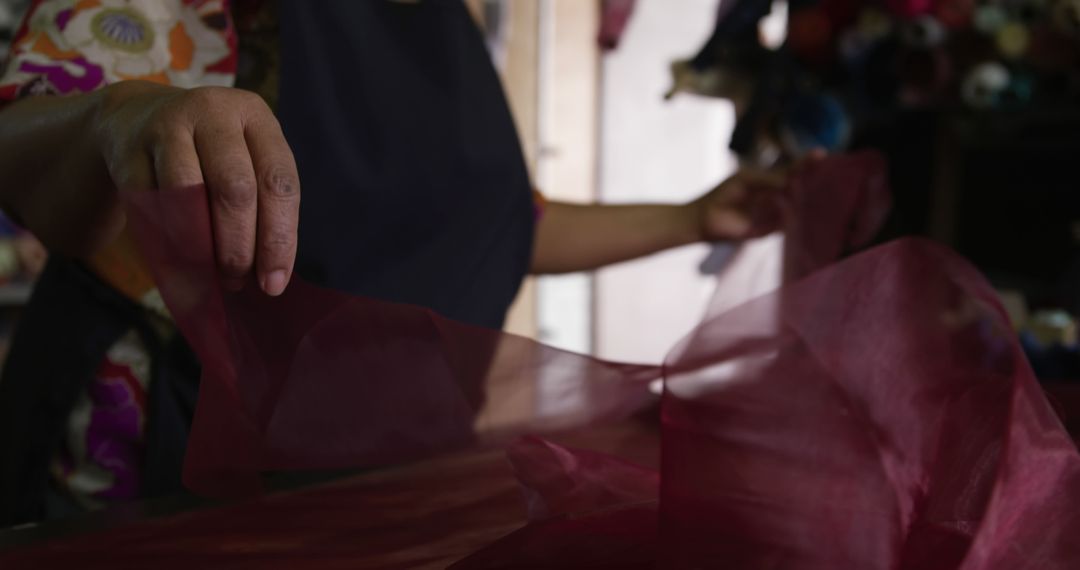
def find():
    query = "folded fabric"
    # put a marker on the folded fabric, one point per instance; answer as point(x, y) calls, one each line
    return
point(877, 413)
point(887, 419)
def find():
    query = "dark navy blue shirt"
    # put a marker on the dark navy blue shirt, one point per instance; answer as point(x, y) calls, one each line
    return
point(414, 185)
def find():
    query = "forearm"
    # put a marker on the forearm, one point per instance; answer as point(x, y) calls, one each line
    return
point(46, 147)
point(572, 237)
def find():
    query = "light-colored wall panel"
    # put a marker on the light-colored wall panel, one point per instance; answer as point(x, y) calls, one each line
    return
point(653, 150)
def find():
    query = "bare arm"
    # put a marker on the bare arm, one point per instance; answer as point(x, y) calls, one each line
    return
point(572, 237)
point(583, 237)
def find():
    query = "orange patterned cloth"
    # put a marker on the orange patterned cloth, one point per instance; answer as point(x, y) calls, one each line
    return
point(76, 46)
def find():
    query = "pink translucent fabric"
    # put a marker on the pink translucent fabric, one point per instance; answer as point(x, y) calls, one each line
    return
point(890, 421)
point(876, 414)
point(317, 379)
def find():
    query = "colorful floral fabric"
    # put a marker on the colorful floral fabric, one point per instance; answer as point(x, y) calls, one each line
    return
point(76, 46)
point(104, 447)
point(72, 46)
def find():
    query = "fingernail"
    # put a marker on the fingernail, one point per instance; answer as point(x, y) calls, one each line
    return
point(274, 282)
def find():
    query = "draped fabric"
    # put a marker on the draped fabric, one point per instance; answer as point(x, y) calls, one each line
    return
point(876, 413)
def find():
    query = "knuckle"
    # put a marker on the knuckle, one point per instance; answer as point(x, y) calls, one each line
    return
point(204, 96)
point(234, 261)
point(279, 183)
point(165, 131)
point(236, 192)
point(250, 99)
point(277, 242)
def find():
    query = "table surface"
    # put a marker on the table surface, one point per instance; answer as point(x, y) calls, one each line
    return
point(426, 515)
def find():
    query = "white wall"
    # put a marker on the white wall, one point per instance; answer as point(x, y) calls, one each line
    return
point(656, 151)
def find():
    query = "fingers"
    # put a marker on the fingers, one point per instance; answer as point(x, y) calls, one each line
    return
point(232, 194)
point(176, 162)
point(762, 179)
point(777, 178)
point(231, 141)
point(813, 155)
point(278, 204)
point(228, 139)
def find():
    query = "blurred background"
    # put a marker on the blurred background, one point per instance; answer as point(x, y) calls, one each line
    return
point(975, 103)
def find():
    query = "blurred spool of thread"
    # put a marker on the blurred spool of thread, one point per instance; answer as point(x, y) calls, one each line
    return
point(873, 24)
point(1020, 91)
point(984, 85)
point(1012, 40)
point(924, 32)
point(924, 74)
point(854, 48)
point(909, 8)
point(989, 18)
point(842, 14)
point(955, 14)
point(1065, 16)
point(809, 35)
point(813, 121)
point(1052, 327)
point(1028, 11)
point(871, 28)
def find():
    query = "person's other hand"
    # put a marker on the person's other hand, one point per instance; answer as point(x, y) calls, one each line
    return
point(746, 205)
point(144, 136)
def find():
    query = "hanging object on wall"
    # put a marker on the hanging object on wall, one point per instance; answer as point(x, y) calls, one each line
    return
point(495, 19)
point(614, 17)
point(872, 60)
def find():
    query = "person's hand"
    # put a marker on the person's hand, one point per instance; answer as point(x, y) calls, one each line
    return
point(143, 136)
point(746, 205)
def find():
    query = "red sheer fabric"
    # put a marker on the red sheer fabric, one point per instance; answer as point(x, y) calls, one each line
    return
point(875, 414)
point(317, 379)
point(887, 420)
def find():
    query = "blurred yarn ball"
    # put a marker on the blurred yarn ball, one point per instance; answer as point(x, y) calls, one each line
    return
point(989, 18)
point(809, 35)
point(955, 14)
point(1065, 17)
point(1012, 40)
point(985, 84)
point(909, 8)
point(924, 32)
point(813, 121)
